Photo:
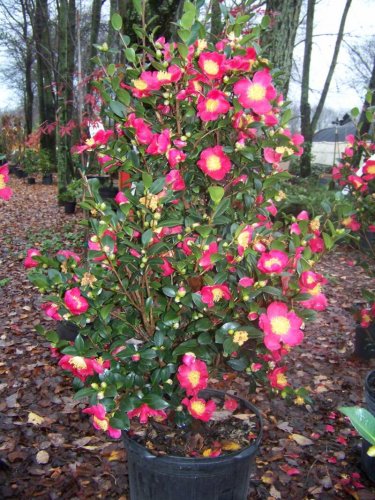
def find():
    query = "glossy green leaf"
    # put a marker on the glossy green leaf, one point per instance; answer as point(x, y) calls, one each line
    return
point(362, 420)
point(116, 21)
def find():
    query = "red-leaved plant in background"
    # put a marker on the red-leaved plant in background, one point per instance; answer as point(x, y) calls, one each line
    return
point(189, 270)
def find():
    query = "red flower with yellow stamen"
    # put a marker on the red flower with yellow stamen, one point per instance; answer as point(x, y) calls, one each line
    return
point(256, 94)
point(280, 325)
point(193, 376)
point(100, 421)
point(74, 302)
point(212, 64)
point(213, 293)
point(214, 105)
point(144, 412)
point(29, 262)
point(205, 260)
point(369, 170)
point(277, 378)
point(199, 408)
point(81, 367)
point(244, 239)
point(5, 192)
point(214, 163)
point(318, 301)
point(274, 261)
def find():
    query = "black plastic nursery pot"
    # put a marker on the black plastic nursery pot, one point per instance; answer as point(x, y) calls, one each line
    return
point(108, 193)
point(67, 330)
point(47, 179)
point(364, 342)
point(70, 207)
point(31, 180)
point(368, 463)
point(367, 241)
point(225, 477)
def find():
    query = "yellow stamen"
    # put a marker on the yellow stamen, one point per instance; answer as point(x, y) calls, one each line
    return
point(281, 379)
point(256, 92)
point(140, 84)
point(102, 424)
point(213, 163)
point(271, 262)
point(211, 68)
point(212, 105)
point(2, 183)
point(198, 407)
point(78, 362)
point(218, 294)
point(164, 75)
point(194, 377)
point(280, 325)
point(240, 337)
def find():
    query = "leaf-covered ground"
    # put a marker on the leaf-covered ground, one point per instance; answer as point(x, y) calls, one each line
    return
point(49, 450)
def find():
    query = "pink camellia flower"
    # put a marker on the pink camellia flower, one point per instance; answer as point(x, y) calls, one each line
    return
point(317, 244)
point(214, 105)
point(256, 94)
point(244, 239)
point(369, 170)
point(144, 412)
point(205, 260)
point(318, 301)
point(213, 293)
point(186, 244)
point(214, 163)
point(303, 215)
point(193, 376)
point(5, 192)
point(357, 182)
point(160, 143)
point(29, 262)
point(68, 254)
point(81, 367)
point(309, 279)
point(271, 156)
point(166, 268)
point(231, 404)
point(274, 261)
point(100, 421)
point(175, 181)
point(199, 408)
point(143, 132)
point(102, 137)
point(280, 325)
point(366, 317)
point(51, 310)
point(246, 282)
point(212, 64)
point(175, 156)
point(277, 378)
point(74, 302)
point(134, 253)
point(351, 223)
point(295, 229)
point(120, 198)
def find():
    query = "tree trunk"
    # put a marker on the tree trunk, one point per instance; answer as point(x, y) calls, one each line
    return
point(28, 91)
point(94, 34)
point(44, 74)
point(305, 106)
point(278, 43)
point(308, 125)
point(216, 23)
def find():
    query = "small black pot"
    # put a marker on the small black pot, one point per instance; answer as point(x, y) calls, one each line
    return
point(47, 179)
point(31, 180)
point(364, 342)
point(69, 207)
point(368, 463)
point(367, 241)
point(67, 330)
point(108, 193)
point(101, 178)
point(225, 477)
point(21, 174)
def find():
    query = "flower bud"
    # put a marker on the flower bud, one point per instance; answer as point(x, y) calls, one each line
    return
point(136, 357)
point(95, 386)
point(100, 395)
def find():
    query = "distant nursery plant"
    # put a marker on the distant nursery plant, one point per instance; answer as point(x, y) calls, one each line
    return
point(187, 274)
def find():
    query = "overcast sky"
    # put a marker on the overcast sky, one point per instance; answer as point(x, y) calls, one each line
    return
point(360, 23)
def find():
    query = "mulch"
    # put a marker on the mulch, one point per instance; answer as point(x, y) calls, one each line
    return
point(49, 450)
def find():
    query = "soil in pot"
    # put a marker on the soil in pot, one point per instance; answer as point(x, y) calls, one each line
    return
point(212, 462)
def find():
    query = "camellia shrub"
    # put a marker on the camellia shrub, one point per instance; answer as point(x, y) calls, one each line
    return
point(187, 271)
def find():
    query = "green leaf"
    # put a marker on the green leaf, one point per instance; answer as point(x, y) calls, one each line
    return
point(327, 241)
point(362, 420)
point(130, 54)
point(83, 393)
point(116, 21)
point(120, 421)
point(154, 401)
point(187, 20)
point(147, 180)
point(138, 6)
point(146, 237)
point(111, 69)
point(183, 50)
point(123, 96)
point(184, 35)
point(238, 364)
point(159, 338)
point(169, 292)
point(216, 193)
point(118, 108)
point(265, 22)
point(105, 311)
point(79, 344)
